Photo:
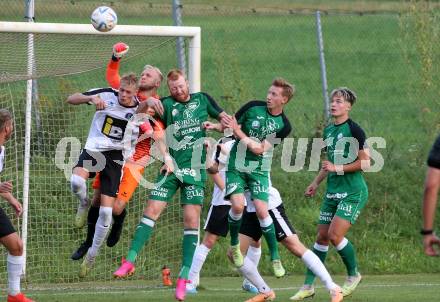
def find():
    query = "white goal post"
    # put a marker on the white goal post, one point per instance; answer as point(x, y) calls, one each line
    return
point(193, 34)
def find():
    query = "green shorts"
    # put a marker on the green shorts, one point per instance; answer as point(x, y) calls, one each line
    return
point(347, 206)
point(256, 181)
point(189, 193)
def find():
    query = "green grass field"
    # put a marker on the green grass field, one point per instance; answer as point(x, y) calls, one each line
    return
point(376, 55)
point(387, 288)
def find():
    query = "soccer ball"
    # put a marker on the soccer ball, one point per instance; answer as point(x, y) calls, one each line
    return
point(104, 18)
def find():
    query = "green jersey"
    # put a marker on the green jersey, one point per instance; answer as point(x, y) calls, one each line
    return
point(257, 122)
point(343, 143)
point(187, 136)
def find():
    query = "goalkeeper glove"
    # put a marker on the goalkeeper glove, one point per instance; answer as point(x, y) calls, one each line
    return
point(119, 50)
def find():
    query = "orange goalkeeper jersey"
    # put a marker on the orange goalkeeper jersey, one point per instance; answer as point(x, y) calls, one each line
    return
point(142, 148)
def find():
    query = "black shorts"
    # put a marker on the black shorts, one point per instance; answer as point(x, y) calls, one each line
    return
point(217, 220)
point(250, 225)
point(6, 227)
point(434, 155)
point(109, 168)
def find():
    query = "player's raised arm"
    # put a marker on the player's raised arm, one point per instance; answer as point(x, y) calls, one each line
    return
point(112, 73)
point(80, 98)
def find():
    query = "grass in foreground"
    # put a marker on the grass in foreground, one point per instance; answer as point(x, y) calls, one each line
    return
point(386, 288)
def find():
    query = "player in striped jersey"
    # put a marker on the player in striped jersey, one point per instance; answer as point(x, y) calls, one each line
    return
point(149, 81)
point(8, 236)
point(103, 152)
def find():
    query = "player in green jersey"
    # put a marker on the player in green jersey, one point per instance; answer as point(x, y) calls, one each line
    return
point(183, 115)
point(258, 126)
point(346, 193)
point(432, 186)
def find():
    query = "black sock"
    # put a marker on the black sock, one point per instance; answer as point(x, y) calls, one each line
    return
point(119, 219)
point(92, 218)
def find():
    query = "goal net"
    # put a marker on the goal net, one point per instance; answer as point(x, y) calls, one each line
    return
point(67, 59)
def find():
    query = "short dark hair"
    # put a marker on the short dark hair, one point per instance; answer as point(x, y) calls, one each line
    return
point(346, 93)
point(5, 116)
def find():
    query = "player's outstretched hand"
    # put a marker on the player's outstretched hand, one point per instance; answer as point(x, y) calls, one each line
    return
point(212, 126)
point(120, 49)
point(429, 243)
point(156, 105)
point(16, 205)
point(98, 102)
point(168, 166)
point(311, 190)
point(6, 187)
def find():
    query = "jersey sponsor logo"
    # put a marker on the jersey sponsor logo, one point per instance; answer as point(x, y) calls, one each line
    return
point(190, 108)
point(114, 128)
point(336, 195)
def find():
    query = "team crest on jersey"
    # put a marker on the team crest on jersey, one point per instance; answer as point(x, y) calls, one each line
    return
point(271, 125)
point(128, 116)
point(190, 108)
point(255, 124)
point(174, 112)
point(340, 136)
point(114, 128)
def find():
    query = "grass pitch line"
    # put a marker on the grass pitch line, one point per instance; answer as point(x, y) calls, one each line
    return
point(104, 290)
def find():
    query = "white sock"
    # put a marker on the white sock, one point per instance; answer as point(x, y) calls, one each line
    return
point(234, 216)
point(15, 269)
point(101, 230)
point(79, 188)
point(199, 258)
point(342, 244)
point(315, 265)
point(250, 272)
point(254, 254)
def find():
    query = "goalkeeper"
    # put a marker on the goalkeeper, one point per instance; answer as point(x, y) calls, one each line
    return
point(149, 81)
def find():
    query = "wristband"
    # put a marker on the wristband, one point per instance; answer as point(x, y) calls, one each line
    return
point(426, 232)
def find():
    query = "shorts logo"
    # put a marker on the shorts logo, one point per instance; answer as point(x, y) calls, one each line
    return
point(231, 188)
point(347, 208)
point(325, 216)
point(193, 192)
point(160, 192)
point(336, 195)
point(114, 128)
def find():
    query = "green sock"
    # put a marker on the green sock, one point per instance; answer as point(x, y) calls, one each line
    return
point(322, 254)
point(234, 228)
point(348, 256)
point(190, 238)
point(269, 235)
point(141, 236)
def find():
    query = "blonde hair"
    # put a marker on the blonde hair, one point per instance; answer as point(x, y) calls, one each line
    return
point(129, 79)
point(5, 116)
point(174, 74)
point(146, 67)
point(345, 93)
point(288, 89)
